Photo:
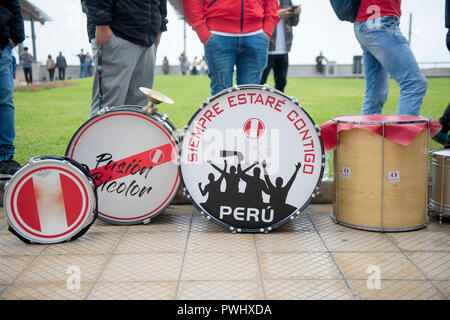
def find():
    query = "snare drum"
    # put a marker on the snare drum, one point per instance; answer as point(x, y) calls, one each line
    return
point(50, 200)
point(380, 172)
point(133, 159)
point(440, 190)
point(251, 159)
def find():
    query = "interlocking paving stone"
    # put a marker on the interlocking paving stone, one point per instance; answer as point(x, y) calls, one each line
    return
point(143, 267)
point(182, 255)
point(58, 268)
point(10, 245)
point(435, 265)
point(396, 290)
point(152, 242)
point(90, 243)
point(288, 266)
point(286, 242)
point(220, 242)
point(220, 290)
point(421, 240)
point(45, 291)
point(392, 265)
point(138, 290)
point(220, 266)
point(11, 267)
point(307, 290)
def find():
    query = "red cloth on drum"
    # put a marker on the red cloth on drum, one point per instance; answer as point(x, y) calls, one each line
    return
point(402, 134)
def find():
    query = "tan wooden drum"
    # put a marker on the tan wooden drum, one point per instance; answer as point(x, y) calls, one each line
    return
point(440, 190)
point(380, 172)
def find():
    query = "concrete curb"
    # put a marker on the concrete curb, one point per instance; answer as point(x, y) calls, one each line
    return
point(324, 196)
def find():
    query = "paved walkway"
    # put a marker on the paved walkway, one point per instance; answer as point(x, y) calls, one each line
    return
point(181, 255)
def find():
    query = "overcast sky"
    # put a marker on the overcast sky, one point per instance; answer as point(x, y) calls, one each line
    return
point(318, 30)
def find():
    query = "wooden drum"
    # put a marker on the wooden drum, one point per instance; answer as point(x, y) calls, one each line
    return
point(380, 170)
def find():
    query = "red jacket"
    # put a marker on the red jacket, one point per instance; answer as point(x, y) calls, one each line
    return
point(232, 16)
point(368, 9)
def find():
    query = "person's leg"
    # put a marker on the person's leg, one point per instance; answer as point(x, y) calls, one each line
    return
point(27, 75)
point(377, 78)
point(270, 62)
point(220, 54)
point(7, 132)
point(119, 58)
point(252, 58)
point(64, 73)
point(280, 71)
point(144, 72)
point(387, 44)
point(31, 75)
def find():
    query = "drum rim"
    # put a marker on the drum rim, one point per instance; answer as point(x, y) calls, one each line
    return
point(175, 143)
point(440, 153)
point(293, 215)
point(423, 120)
point(91, 194)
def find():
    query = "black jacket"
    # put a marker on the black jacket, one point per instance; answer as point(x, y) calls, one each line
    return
point(11, 23)
point(137, 21)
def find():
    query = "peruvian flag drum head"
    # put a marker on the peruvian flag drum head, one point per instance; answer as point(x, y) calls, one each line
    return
point(133, 159)
point(251, 158)
point(49, 201)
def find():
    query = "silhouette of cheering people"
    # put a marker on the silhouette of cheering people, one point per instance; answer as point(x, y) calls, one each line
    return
point(232, 178)
point(278, 193)
point(212, 189)
point(254, 188)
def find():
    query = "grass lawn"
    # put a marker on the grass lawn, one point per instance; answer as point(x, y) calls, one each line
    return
point(46, 120)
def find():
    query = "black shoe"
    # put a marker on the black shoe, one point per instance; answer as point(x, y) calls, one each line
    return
point(8, 168)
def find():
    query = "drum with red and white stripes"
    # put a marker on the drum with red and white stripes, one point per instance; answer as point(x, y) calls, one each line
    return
point(50, 200)
point(133, 159)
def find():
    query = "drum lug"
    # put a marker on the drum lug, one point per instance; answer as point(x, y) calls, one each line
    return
point(164, 117)
point(103, 110)
point(147, 221)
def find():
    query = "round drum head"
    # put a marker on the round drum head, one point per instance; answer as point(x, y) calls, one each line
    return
point(133, 159)
point(49, 201)
point(251, 159)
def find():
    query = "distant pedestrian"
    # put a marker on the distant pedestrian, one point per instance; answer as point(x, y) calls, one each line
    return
point(165, 66)
point(194, 70)
point(83, 65)
point(184, 64)
point(386, 52)
point(50, 65)
point(61, 64)
point(280, 44)
point(319, 63)
point(203, 66)
point(26, 60)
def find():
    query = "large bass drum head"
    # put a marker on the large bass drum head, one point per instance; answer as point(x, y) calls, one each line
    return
point(251, 159)
point(133, 159)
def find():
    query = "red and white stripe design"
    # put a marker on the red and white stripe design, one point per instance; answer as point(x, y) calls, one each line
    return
point(49, 202)
point(254, 128)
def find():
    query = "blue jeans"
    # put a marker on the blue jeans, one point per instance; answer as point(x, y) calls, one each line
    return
point(7, 132)
point(387, 52)
point(83, 70)
point(248, 53)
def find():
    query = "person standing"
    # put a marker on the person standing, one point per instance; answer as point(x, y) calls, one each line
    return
point(234, 33)
point(184, 63)
point(128, 35)
point(61, 64)
point(83, 66)
point(387, 52)
point(280, 44)
point(11, 34)
point(165, 66)
point(319, 63)
point(26, 60)
point(50, 66)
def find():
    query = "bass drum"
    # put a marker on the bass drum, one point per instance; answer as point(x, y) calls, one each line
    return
point(133, 159)
point(251, 158)
point(50, 200)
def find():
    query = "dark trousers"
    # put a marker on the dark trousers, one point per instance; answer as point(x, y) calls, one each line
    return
point(62, 73)
point(28, 75)
point(51, 74)
point(445, 120)
point(280, 64)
